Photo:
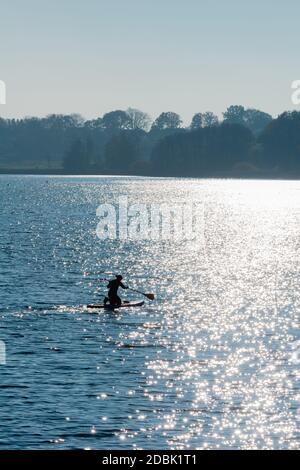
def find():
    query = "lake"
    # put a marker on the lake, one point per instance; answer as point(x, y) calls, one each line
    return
point(211, 363)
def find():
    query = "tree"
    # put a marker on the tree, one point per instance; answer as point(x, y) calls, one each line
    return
point(138, 119)
point(281, 142)
point(168, 120)
point(120, 153)
point(116, 120)
point(230, 144)
point(76, 158)
point(61, 121)
point(209, 119)
point(94, 123)
point(257, 120)
point(208, 150)
point(173, 155)
point(254, 119)
point(235, 115)
point(197, 121)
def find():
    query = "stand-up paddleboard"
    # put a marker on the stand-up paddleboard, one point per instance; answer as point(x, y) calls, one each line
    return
point(113, 307)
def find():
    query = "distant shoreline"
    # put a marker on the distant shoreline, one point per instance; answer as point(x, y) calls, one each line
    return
point(257, 175)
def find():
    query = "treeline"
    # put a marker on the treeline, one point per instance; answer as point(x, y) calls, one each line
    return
point(128, 142)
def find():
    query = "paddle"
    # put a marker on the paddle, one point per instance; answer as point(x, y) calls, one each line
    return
point(149, 296)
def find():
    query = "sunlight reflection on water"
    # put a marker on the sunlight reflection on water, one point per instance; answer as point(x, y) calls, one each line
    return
point(207, 365)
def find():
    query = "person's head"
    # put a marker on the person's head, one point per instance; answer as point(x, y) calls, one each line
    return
point(119, 277)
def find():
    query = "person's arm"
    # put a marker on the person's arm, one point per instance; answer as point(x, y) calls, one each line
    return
point(123, 286)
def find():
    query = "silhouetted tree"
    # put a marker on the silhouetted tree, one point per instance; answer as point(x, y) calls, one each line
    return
point(138, 119)
point(257, 120)
point(230, 144)
point(207, 119)
point(77, 157)
point(281, 142)
point(204, 151)
point(254, 119)
point(94, 123)
point(167, 120)
point(61, 121)
point(116, 120)
point(234, 114)
point(197, 121)
point(120, 153)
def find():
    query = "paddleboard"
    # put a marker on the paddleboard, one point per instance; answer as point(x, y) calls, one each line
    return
point(113, 307)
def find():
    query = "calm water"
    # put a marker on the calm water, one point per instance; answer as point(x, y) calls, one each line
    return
point(212, 363)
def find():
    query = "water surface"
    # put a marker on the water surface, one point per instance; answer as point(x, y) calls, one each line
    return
point(211, 363)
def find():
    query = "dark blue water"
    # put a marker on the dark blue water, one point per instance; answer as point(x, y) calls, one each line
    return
point(211, 363)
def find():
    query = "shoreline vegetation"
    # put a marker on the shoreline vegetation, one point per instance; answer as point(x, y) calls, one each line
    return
point(255, 175)
point(246, 143)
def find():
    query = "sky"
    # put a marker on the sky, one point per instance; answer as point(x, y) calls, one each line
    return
point(94, 56)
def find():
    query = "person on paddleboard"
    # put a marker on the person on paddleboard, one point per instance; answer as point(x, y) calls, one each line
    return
point(113, 286)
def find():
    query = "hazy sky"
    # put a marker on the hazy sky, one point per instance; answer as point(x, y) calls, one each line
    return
point(93, 56)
